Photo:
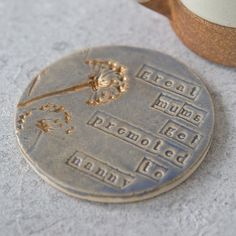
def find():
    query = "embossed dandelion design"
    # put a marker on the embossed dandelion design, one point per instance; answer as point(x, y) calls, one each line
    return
point(57, 118)
point(107, 79)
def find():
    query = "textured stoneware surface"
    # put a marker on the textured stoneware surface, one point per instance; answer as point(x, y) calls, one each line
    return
point(36, 33)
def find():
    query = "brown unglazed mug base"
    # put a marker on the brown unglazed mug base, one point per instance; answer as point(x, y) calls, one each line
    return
point(211, 41)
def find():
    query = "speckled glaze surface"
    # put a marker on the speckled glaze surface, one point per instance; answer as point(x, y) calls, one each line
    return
point(143, 130)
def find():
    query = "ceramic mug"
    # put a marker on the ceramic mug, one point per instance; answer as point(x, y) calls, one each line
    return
point(208, 27)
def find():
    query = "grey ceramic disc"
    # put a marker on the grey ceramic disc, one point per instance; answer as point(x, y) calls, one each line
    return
point(115, 124)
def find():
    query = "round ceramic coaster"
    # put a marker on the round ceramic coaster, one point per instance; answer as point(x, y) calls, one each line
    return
point(115, 124)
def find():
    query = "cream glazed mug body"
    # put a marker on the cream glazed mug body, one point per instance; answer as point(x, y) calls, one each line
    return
point(208, 27)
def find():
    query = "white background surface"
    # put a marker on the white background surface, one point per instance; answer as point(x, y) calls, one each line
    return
point(36, 33)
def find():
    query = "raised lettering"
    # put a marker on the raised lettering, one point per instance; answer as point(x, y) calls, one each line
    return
point(133, 136)
point(109, 125)
point(167, 81)
point(88, 165)
point(181, 136)
point(151, 169)
point(96, 121)
point(186, 113)
point(100, 171)
point(145, 142)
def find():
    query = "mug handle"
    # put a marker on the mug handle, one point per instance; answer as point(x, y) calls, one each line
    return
point(161, 6)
